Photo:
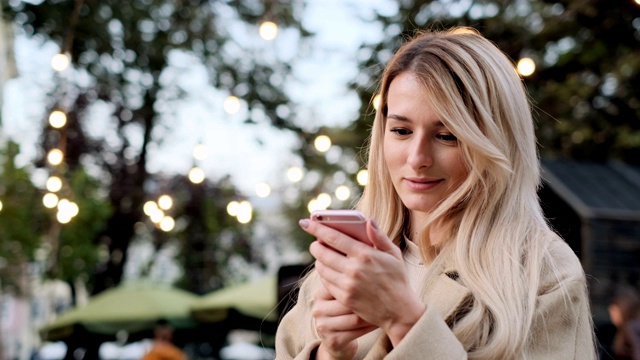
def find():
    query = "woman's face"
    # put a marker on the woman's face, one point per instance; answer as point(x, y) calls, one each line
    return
point(423, 157)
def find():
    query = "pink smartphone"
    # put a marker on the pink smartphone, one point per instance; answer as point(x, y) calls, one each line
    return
point(349, 222)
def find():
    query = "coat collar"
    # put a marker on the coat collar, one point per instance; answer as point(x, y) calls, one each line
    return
point(444, 290)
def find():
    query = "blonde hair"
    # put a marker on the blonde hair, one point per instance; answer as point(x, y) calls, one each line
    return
point(495, 227)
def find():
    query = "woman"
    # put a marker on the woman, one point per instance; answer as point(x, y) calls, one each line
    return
point(464, 264)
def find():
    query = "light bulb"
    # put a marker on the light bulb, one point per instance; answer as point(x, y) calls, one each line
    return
point(526, 66)
point(363, 177)
point(57, 119)
point(55, 156)
point(322, 143)
point(59, 62)
point(231, 104)
point(268, 30)
point(196, 175)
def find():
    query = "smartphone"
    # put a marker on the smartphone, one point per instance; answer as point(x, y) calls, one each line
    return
point(349, 222)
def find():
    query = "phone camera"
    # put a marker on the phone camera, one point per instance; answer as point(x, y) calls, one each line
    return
point(320, 218)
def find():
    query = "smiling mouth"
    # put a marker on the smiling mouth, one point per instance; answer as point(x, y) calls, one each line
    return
point(422, 184)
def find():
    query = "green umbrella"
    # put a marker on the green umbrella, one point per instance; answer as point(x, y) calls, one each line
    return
point(255, 299)
point(129, 307)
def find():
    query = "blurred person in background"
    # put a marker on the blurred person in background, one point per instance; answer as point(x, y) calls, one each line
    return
point(624, 311)
point(163, 347)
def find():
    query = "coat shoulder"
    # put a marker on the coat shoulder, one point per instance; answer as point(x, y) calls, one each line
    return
point(560, 265)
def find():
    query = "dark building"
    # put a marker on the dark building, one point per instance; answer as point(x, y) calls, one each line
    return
point(595, 207)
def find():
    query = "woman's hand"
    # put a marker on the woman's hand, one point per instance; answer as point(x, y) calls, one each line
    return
point(337, 326)
point(369, 281)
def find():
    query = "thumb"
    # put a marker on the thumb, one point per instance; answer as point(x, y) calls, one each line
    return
point(378, 239)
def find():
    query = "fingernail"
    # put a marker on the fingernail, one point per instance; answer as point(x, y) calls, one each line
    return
point(374, 224)
point(304, 223)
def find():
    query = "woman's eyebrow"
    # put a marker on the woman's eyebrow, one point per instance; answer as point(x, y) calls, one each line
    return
point(436, 123)
point(398, 117)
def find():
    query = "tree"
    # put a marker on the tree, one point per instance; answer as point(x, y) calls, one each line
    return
point(22, 221)
point(584, 90)
point(119, 51)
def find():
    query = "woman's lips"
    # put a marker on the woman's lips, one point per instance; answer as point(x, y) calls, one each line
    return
point(422, 184)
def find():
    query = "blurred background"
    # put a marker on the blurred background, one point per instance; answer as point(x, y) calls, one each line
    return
point(156, 155)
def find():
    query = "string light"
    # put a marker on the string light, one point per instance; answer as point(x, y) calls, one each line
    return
point(149, 207)
point(232, 208)
point(363, 177)
point(63, 218)
point(200, 152)
point(60, 62)
point(324, 200)
point(343, 193)
point(55, 157)
point(156, 216)
point(54, 184)
point(263, 190)
point(196, 175)
point(67, 210)
point(376, 101)
point(268, 30)
point(314, 205)
point(167, 224)
point(165, 202)
point(50, 200)
point(1, 205)
point(295, 174)
point(322, 143)
point(245, 212)
point(231, 104)
point(526, 66)
point(57, 119)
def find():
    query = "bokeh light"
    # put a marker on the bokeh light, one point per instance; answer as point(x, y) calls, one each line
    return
point(55, 156)
point(343, 193)
point(231, 104)
point(54, 184)
point(268, 30)
point(232, 208)
point(376, 101)
point(314, 205)
point(157, 215)
point(322, 143)
point(167, 223)
point(67, 210)
point(295, 174)
point(57, 119)
point(245, 212)
point(263, 190)
point(63, 218)
point(526, 66)
point(362, 177)
point(200, 152)
point(60, 62)
point(50, 200)
point(149, 207)
point(196, 175)
point(165, 202)
point(324, 200)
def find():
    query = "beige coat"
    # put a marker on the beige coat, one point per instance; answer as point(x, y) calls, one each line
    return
point(562, 328)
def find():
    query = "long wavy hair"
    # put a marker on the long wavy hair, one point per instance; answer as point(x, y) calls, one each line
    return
point(494, 226)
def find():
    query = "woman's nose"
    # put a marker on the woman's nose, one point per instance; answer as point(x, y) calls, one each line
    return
point(420, 155)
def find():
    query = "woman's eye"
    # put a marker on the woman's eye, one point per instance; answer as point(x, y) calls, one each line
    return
point(401, 131)
point(447, 137)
